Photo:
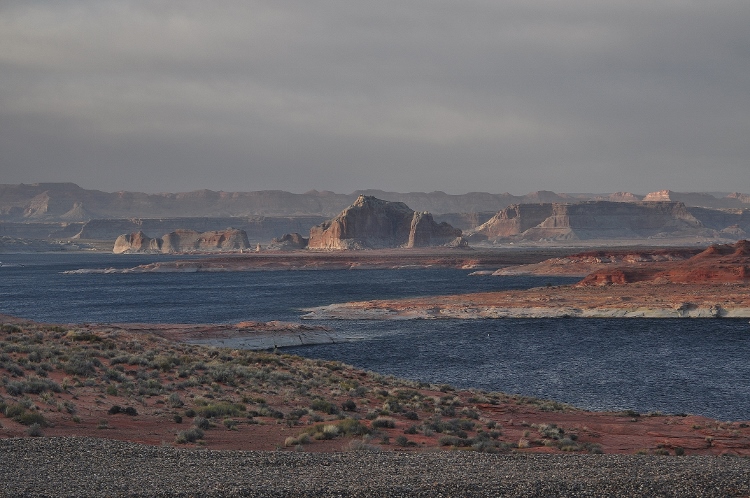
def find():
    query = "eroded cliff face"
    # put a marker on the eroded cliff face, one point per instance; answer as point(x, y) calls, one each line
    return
point(136, 242)
point(371, 223)
point(181, 241)
point(589, 220)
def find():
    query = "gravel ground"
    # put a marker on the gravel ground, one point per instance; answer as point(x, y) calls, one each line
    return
point(97, 467)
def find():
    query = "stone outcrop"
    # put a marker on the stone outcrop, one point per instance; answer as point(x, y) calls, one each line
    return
point(289, 242)
point(371, 223)
point(719, 264)
point(137, 242)
point(181, 241)
point(589, 220)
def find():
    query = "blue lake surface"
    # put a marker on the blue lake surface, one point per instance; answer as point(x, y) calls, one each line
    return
point(673, 366)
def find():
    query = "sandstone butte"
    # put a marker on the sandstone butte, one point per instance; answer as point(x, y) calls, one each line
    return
point(144, 383)
point(714, 283)
point(183, 241)
point(372, 223)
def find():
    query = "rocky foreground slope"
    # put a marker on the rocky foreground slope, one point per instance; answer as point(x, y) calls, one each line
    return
point(98, 467)
point(119, 381)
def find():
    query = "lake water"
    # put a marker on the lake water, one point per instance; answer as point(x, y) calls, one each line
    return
point(673, 366)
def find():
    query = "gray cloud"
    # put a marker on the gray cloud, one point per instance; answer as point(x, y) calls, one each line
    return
point(400, 95)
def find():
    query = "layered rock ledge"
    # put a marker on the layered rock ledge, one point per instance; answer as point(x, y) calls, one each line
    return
point(641, 300)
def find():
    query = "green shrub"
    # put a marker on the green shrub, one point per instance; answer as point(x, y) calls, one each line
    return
point(34, 430)
point(221, 410)
point(31, 418)
point(324, 406)
point(352, 427)
point(201, 423)
point(174, 400)
point(189, 436)
point(383, 423)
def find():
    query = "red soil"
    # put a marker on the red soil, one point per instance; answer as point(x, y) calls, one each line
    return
point(518, 421)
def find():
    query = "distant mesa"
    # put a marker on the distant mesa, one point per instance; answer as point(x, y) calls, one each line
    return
point(68, 201)
point(183, 241)
point(372, 223)
point(589, 220)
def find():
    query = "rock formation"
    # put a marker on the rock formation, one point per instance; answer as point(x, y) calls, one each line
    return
point(181, 241)
point(589, 220)
point(371, 223)
point(718, 264)
point(136, 242)
point(289, 242)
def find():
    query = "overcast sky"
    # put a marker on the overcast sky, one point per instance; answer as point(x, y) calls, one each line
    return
point(406, 95)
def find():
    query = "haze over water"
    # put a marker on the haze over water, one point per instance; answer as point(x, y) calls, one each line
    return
point(673, 366)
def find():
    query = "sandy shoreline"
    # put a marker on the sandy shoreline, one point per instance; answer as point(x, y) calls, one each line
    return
point(642, 300)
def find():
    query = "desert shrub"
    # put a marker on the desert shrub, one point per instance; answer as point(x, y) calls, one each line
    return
point(174, 400)
point(81, 365)
point(324, 406)
point(36, 385)
point(352, 427)
point(349, 405)
point(549, 431)
point(221, 410)
point(189, 436)
point(9, 328)
point(362, 445)
point(115, 409)
point(411, 415)
point(31, 418)
point(177, 419)
point(13, 411)
point(34, 430)
point(383, 423)
point(190, 413)
point(411, 430)
point(201, 423)
point(392, 406)
point(679, 450)
point(267, 411)
point(297, 413)
point(470, 413)
point(330, 431)
point(453, 441)
point(116, 375)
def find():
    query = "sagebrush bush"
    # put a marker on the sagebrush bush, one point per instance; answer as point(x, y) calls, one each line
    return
point(201, 423)
point(383, 423)
point(189, 436)
point(324, 406)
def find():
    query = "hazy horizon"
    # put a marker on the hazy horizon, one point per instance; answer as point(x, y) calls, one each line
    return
point(407, 96)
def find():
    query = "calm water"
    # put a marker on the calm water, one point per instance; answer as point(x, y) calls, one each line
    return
point(691, 366)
